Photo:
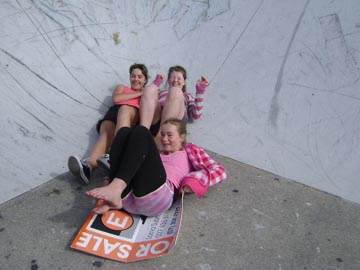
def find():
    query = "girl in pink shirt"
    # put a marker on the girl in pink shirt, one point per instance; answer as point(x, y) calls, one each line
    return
point(123, 113)
point(146, 181)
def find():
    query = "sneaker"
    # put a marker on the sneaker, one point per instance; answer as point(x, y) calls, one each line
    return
point(104, 162)
point(79, 169)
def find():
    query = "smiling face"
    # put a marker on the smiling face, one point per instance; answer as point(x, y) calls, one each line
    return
point(176, 78)
point(171, 140)
point(137, 79)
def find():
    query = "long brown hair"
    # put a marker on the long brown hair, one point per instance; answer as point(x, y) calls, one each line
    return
point(178, 69)
point(180, 127)
point(143, 69)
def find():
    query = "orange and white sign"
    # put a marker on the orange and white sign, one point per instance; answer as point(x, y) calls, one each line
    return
point(117, 220)
point(124, 237)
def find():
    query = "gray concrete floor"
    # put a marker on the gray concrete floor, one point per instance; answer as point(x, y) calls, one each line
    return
point(254, 220)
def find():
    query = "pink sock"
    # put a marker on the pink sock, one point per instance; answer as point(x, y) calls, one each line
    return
point(200, 88)
point(158, 80)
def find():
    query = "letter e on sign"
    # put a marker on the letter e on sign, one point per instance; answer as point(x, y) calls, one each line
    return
point(117, 220)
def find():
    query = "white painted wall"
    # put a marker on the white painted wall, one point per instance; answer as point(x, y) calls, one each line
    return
point(284, 93)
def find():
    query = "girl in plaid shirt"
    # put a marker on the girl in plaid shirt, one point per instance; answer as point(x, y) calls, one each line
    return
point(146, 181)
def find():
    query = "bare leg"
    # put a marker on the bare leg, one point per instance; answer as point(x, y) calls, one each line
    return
point(127, 117)
point(111, 194)
point(149, 106)
point(106, 137)
point(174, 105)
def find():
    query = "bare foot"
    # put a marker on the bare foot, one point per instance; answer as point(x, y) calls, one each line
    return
point(102, 209)
point(111, 194)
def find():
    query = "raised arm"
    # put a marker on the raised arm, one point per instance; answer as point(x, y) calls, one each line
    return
point(119, 94)
point(207, 172)
point(195, 105)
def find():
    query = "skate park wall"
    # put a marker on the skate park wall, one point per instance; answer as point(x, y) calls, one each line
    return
point(284, 81)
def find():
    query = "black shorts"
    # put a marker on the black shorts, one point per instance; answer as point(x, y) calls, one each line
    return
point(111, 115)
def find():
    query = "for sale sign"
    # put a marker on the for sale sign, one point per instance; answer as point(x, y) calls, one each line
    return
point(124, 237)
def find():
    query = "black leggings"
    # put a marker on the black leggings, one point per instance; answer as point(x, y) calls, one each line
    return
point(135, 158)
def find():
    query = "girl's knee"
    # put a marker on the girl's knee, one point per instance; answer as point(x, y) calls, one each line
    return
point(175, 92)
point(149, 92)
point(107, 128)
point(141, 133)
point(140, 129)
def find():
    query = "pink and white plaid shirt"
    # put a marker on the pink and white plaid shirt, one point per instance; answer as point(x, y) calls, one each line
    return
point(207, 172)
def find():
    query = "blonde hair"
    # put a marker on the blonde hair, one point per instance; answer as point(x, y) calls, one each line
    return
point(180, 126)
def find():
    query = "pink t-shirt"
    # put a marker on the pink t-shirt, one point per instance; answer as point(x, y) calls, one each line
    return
point(177, 165)
point(135, 102)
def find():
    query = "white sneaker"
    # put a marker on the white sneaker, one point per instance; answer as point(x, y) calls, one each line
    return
point(104, 162)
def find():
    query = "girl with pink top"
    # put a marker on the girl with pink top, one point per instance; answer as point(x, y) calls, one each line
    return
point(123, 113)
point(146, 181)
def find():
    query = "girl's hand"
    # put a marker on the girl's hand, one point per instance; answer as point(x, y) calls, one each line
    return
point(201, 85)
point(187, 189)
point(158, 80)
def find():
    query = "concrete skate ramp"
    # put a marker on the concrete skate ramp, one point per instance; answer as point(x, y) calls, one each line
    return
point(284, 81)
